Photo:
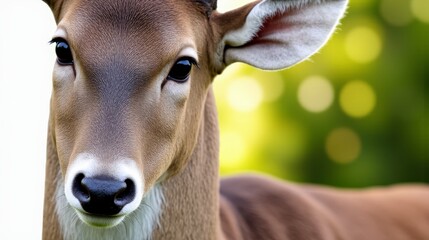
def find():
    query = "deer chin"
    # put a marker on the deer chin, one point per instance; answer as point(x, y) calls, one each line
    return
point(100, 221)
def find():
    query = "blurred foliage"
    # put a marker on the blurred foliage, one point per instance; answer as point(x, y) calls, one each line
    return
point(354, 115)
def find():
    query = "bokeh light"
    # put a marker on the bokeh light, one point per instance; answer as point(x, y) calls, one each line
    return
point(357, 99)
point(315, 94)
point(363, 44)
point(343, 145)
point(396, 12)
point(245, 94)
point(420, 9)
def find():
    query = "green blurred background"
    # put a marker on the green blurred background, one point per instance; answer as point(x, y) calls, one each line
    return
point(354, 115)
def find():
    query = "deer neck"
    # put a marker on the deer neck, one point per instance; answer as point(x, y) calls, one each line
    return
point(191, 206)
point(51, 227)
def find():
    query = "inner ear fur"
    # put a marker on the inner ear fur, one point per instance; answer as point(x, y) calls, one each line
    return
point(228, 22)
point(276, 34)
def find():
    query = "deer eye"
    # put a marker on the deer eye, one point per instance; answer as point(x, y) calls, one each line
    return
point(181, 70)
point(63, 51)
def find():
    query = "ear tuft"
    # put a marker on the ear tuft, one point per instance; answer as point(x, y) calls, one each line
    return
point(280, 33)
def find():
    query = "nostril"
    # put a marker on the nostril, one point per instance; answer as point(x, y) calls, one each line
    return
point(125, 195)
point(80, 191)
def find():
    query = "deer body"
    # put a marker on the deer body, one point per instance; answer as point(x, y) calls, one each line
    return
point(133, 134)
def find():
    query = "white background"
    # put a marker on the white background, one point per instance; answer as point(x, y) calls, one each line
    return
point(26, 61)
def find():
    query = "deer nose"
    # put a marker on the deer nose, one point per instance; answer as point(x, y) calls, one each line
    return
point(103, 195)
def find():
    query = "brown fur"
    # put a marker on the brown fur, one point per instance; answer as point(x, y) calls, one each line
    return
point(51, 228)
point(115, 41)
point(269, 209)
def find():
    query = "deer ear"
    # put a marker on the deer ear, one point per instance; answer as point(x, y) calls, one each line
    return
point(275, 34)
point(49, 2)
point(55, 6)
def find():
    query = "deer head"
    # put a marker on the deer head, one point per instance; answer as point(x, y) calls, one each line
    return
point(131, 81)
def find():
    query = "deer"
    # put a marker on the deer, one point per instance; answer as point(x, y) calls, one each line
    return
point(133, 138)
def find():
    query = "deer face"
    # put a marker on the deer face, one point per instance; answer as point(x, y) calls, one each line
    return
point(126, 89)
point(131, 80)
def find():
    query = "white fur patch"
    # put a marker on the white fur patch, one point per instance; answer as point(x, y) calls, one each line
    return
point(137, 225)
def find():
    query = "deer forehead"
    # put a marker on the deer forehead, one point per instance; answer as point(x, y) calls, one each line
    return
point(143, 35)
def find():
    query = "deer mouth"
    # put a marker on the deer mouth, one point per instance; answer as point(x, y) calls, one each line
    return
point(100, 221)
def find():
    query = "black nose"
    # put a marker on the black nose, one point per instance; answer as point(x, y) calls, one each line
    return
point(103, 195)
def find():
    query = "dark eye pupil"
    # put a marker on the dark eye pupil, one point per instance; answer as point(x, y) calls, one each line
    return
point(180, 71)
point(63, 53)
